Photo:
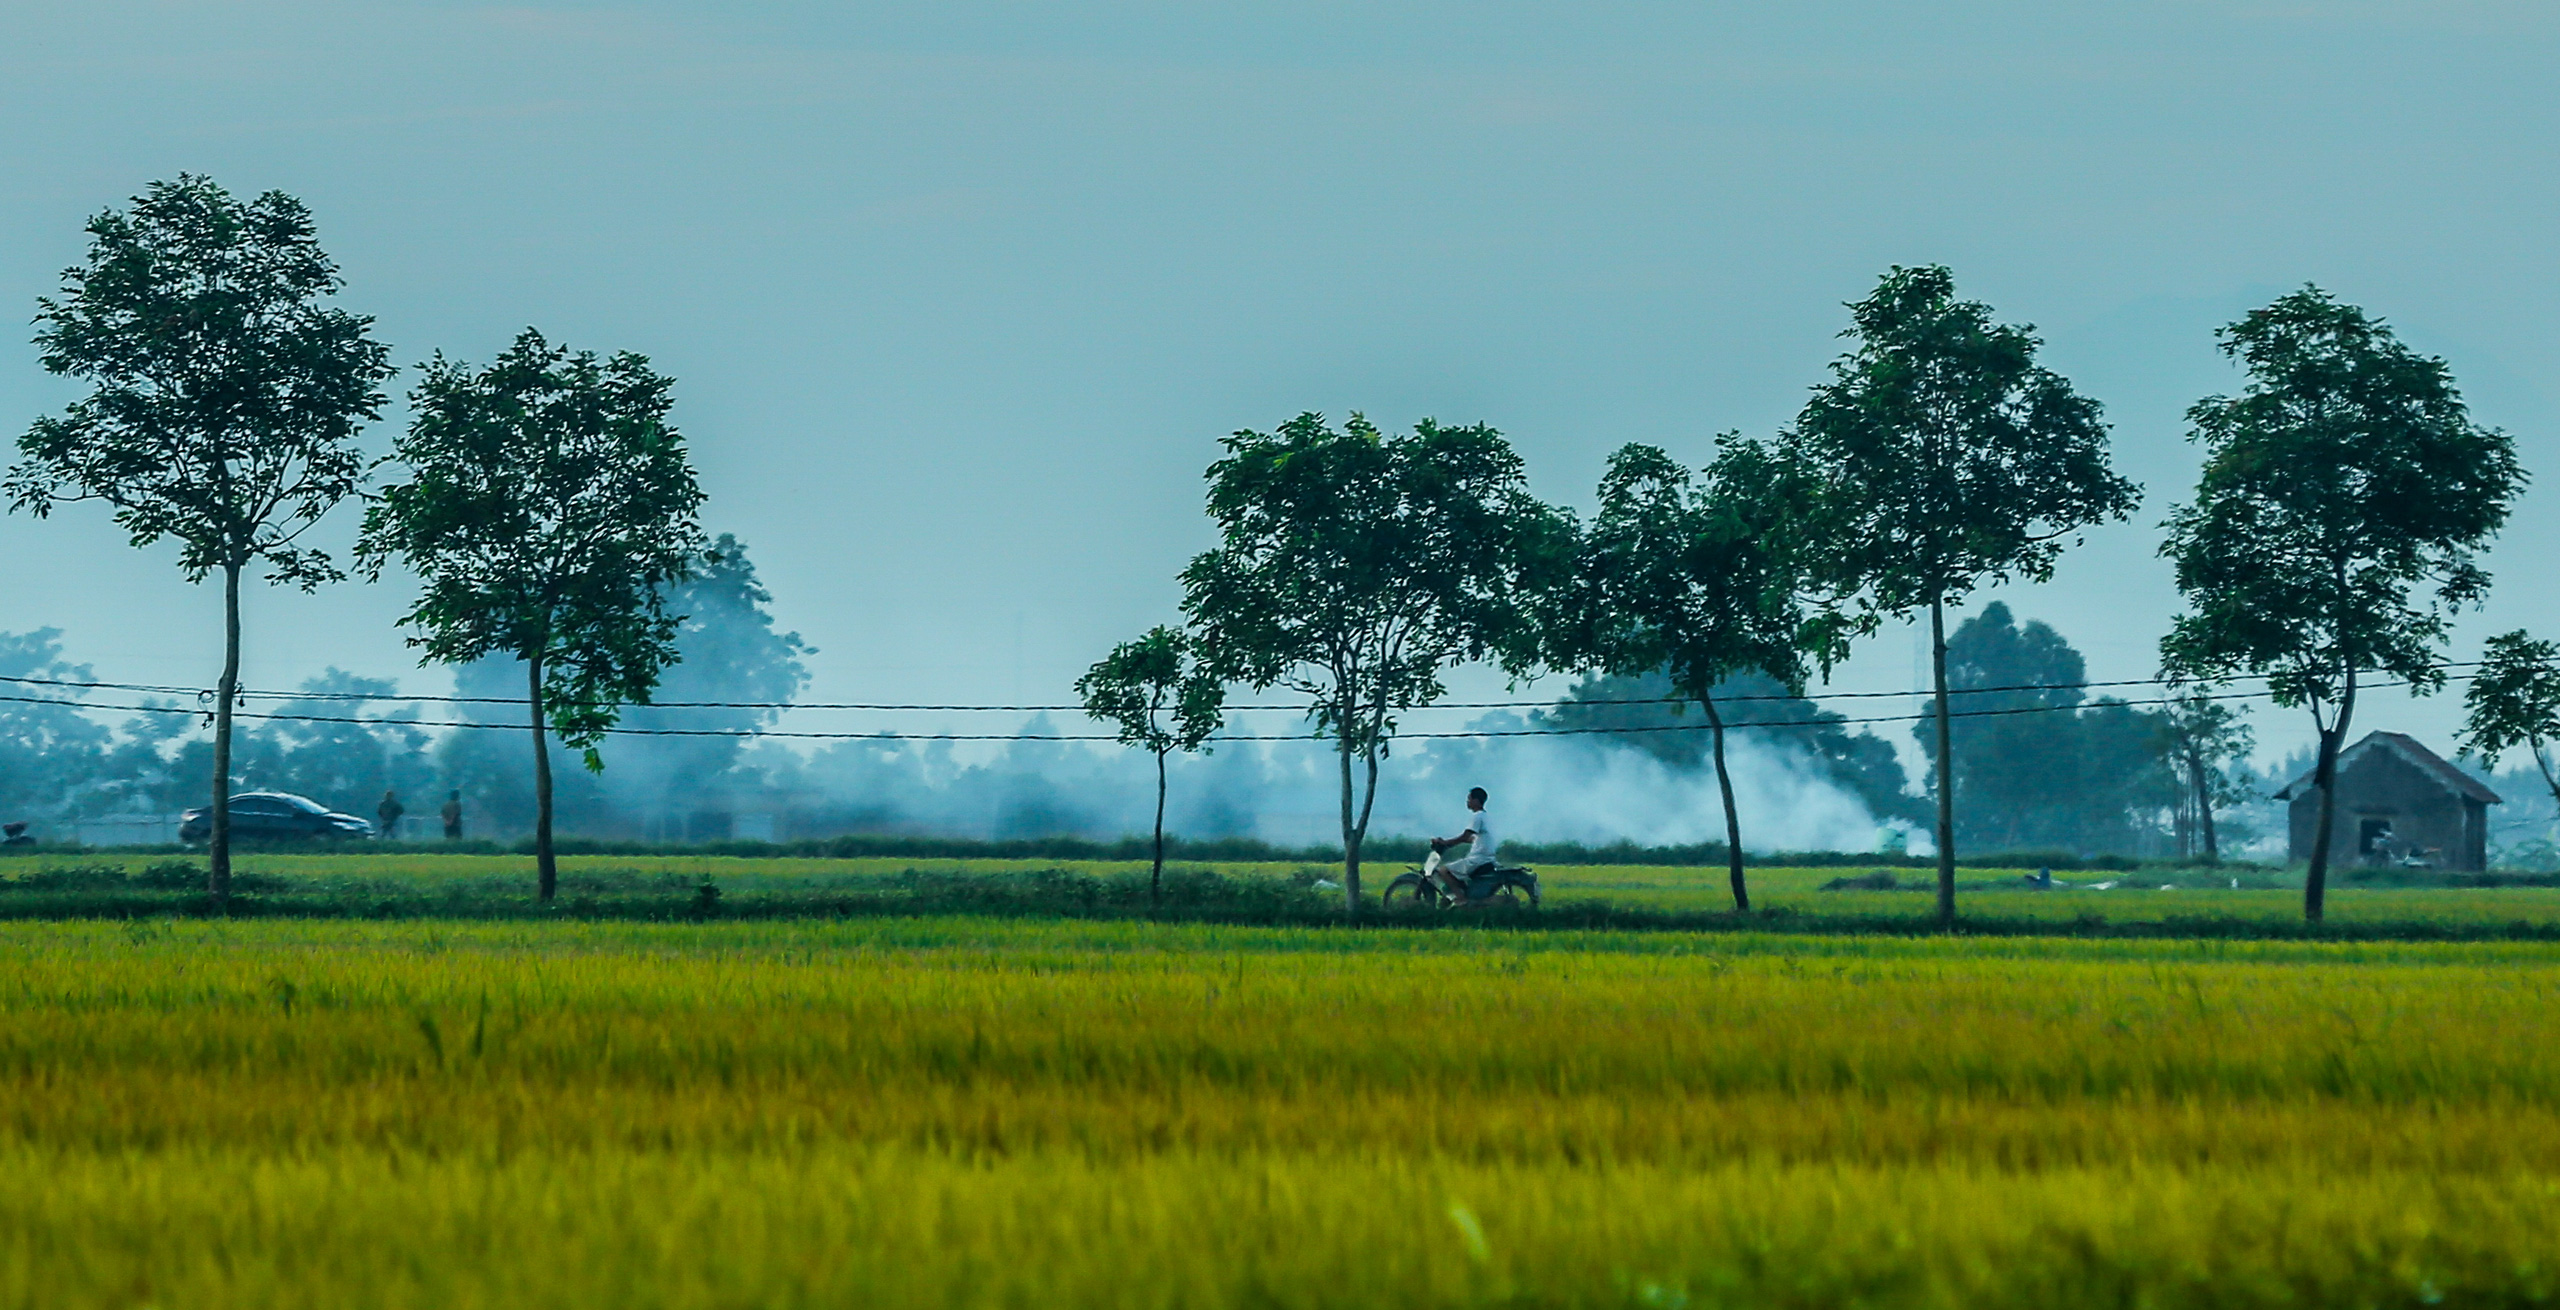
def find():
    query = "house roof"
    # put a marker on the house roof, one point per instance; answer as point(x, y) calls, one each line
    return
point(2408, 748)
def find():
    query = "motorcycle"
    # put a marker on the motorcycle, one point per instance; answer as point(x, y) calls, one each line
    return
point(1505, 885)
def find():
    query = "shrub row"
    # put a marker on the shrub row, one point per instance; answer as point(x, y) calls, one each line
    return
point(1191, 895)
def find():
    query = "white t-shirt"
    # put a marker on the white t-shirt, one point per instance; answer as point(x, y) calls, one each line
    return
point(1482, 825)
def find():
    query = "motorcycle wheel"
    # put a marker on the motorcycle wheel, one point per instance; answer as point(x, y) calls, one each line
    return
point(1408, 889)
point(1517, 890)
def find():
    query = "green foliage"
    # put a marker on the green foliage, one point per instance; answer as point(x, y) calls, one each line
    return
point(1942, 456)
point(2202, 737)
point(2514, 701)
point(2210, 735)
point(49, 750)
point(1356, 567)
point(548, 505)
point(225, 396)
point(1694, 580)
point(224, 405)
point(1141, 681)
point(2038, 763)
point(1689, 578)
point(2343, 495)
point(728, 650)
point(1939, 457)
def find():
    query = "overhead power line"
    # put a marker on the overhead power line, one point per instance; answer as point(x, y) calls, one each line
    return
point(200, 693)
point(757, 733)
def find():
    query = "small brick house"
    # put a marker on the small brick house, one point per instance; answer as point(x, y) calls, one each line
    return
point(2397, 800)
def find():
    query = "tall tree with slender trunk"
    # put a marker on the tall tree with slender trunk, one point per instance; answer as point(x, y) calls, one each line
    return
point(1692, 578)
point(548, 505)
point(1939, 458)
point(2333, 531)
point(226, 398)
point(2202, 736)
point(1135, 688)
point(1356, 568)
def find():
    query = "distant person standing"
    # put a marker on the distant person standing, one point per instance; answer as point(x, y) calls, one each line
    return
point(453, 816)
point(389, 811)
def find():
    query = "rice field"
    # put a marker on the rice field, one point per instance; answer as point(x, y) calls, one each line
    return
point(952, 1111)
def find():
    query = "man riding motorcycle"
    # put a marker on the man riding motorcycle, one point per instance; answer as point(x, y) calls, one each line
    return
point(1458, 874)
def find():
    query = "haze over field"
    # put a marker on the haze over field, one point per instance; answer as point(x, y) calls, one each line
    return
point(960, 297)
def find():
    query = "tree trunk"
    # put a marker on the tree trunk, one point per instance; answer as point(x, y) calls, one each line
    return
point(1360, 830)
point(2182, 822)
point(217, 883)
point(546, 867)
point(2204, 814)
point(1350, 833)
point(1946, 766)
point(2315, 883)
point(1155, 877)
point(1732, 820)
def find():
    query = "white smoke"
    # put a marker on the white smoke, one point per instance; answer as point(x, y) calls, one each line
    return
point(1546, 789)
point(1551, 791)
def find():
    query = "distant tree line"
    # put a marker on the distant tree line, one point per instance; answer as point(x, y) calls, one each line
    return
point(548, 507)
point(2333, 534)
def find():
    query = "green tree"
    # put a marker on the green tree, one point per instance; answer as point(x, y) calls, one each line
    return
point(1940, 457)
point(225, 402)
point(2201, 738)
point(1135, 687)
point(2013, 755)
point(1356, 567)
point(732, 665)
point(2344, 492)
point(1691, 578)
point(2514, 701)
point(50, 749)
point(2042, 765)
point(548, 505)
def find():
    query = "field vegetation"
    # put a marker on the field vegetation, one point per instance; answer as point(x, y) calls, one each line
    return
point(963, 1111)
point(2194, 900)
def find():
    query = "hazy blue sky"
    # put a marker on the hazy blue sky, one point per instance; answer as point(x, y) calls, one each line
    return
point(960, 296)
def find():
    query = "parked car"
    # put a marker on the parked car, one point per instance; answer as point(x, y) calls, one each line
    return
point(275, 816)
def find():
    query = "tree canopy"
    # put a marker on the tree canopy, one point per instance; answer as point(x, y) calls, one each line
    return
point(2334, 528)
point(548, 506)
point(2041, 764)
point(225, 398)
point(1136, 687)
point(1356, 567)
point(2202, 738)
point(2514, 702)
point(1693, 579)
point(225, 394)
point(1939, 457)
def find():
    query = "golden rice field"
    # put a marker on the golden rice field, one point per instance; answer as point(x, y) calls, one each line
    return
point(1062, 1114)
